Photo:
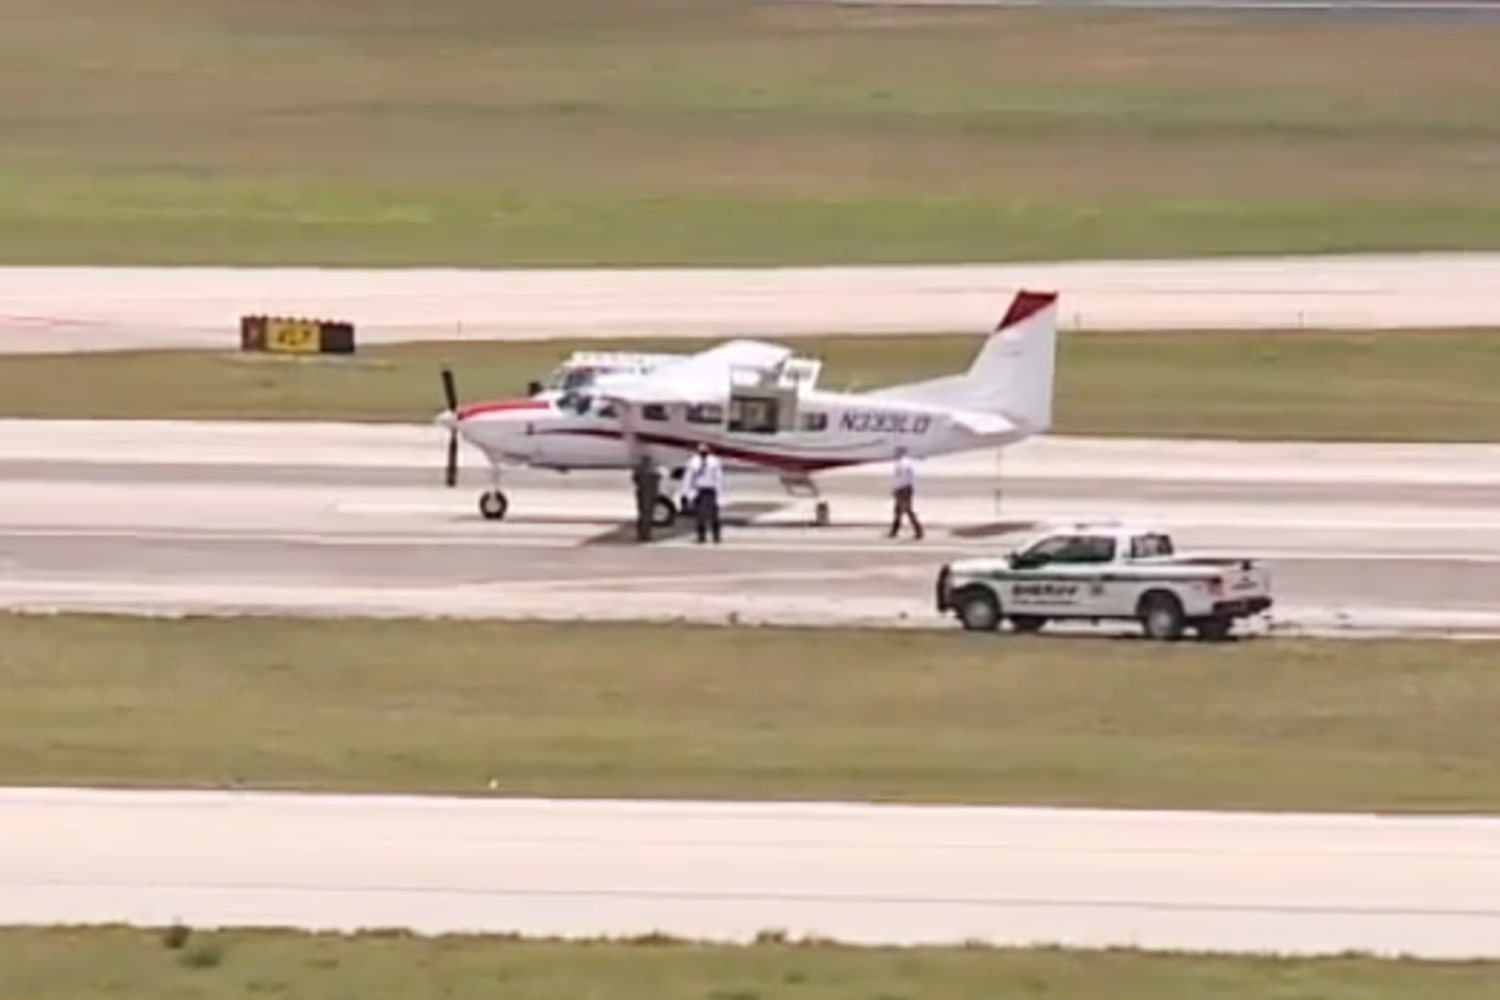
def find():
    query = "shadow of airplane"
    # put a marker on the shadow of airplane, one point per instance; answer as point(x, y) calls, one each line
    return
point(993, 529)
point(734, 515)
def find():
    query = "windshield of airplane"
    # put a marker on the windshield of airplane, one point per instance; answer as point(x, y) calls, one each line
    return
point(566, 379)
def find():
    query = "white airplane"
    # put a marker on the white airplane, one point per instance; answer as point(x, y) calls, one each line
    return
point(759, 408)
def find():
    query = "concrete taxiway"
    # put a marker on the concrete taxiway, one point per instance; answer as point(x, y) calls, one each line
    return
point(335, 519)
point(1293, 884)
point(78, 309)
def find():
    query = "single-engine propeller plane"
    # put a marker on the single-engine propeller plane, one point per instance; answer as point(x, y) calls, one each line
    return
point(761, 410)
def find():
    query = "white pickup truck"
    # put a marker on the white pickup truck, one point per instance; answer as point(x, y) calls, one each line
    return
point(1100, 573)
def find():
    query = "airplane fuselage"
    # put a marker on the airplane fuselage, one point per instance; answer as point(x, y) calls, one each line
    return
point(817, 431)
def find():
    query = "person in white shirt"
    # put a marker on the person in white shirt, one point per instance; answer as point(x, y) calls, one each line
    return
point(704, 480)
point(902, 491)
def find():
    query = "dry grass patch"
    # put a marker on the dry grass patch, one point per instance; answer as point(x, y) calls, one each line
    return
point(1398, 386)
point(622, 710)
point(581, 131)
point(58, 964)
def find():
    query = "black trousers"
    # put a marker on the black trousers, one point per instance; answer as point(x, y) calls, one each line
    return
point(645, 504)
point(903, 508)
point(706, 513)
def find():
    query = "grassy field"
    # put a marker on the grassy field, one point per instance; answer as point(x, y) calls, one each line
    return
point(662, 131)
point(1409, 385)
point(138, 965)
point(759, 713)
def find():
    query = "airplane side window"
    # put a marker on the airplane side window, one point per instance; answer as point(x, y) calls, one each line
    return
point(654, 411)
point(607, 411)
point(754, 416)
point(705, 413)
point(815, 421)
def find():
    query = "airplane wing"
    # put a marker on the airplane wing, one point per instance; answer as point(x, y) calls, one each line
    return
point(701, 378)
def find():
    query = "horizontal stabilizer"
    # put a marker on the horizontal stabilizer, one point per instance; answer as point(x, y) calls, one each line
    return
point(983, 423)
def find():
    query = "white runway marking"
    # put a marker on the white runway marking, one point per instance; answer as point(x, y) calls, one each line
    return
point(1296, 884)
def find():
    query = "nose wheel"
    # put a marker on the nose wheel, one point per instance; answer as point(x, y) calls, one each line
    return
point(493, 505)
point(663, 512)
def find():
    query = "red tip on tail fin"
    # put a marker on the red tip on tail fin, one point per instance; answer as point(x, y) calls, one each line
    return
point(1025, 305)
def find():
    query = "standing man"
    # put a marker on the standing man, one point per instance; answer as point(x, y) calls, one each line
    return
point(904, 488)
point(705, 481)
point(647, 479)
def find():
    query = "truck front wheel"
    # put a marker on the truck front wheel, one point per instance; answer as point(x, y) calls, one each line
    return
point(978, 610)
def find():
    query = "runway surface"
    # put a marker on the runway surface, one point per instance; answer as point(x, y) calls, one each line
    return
point(75, 309)
point(862, 874)
point(349, 519)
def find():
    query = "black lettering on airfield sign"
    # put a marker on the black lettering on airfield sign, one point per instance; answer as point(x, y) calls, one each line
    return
point(884, 422)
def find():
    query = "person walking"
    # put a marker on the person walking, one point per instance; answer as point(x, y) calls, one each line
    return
point(904, 488)
point(705, 481)
point(647, 480)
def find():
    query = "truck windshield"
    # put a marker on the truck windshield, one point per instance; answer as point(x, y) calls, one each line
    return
point(1071, 549)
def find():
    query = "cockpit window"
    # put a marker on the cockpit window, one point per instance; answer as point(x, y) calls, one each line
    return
point(565, 379)
point(576, 403)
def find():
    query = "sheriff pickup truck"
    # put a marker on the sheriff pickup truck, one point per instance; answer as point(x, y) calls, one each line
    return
point(1100, 573)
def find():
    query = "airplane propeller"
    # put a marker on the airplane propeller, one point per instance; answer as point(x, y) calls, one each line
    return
point(450, 393)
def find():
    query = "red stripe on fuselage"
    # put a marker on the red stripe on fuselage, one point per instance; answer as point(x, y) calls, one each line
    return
point(500, 406)
point(787, 463)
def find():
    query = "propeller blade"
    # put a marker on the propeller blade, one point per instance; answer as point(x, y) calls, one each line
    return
point(452, 473)
point(450, 392)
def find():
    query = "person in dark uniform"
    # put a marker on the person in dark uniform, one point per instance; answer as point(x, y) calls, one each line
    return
point(647, 479)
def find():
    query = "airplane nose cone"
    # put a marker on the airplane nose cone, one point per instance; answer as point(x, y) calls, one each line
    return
point(448, 419)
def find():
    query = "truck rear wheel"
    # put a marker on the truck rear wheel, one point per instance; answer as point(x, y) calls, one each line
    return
point(1161, 616)
point(978, 610)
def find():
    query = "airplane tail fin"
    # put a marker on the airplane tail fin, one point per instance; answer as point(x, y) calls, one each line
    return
point(1012, 375)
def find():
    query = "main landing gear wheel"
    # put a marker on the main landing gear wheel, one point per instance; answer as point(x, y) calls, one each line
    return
point(663, 512)
point(493, 505)
point(821, 515)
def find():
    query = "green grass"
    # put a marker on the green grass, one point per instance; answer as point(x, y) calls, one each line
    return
point(733, 131)
point(129, 964)
point(1408, 385)
point(624, 710)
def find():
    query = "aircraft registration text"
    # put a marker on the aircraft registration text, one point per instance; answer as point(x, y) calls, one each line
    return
point(884, 422)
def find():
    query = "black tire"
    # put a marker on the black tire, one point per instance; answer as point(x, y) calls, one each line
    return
point(978, 610)
point(663, 512)
point(1027, 623)
point(493, 505)
point(1215, 629)
point(1161, 616)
